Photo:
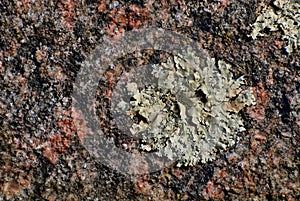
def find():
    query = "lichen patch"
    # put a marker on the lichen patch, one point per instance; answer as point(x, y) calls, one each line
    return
point(283, 16)
point(188, 113)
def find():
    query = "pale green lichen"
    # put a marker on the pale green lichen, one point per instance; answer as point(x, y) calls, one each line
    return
point(191, 112)
point(285, 18)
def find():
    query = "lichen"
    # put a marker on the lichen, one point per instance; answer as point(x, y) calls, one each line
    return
point(189, 113)
point(286, 17)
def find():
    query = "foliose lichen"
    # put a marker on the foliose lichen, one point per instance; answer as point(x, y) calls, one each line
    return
point(284, 16)
point(189, 113)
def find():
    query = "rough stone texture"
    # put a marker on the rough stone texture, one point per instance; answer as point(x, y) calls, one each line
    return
point(42, 44)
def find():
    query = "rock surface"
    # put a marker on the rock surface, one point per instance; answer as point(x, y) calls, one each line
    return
point(43, 43)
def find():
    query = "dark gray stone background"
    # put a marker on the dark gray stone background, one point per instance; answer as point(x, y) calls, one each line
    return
point(42, 44)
